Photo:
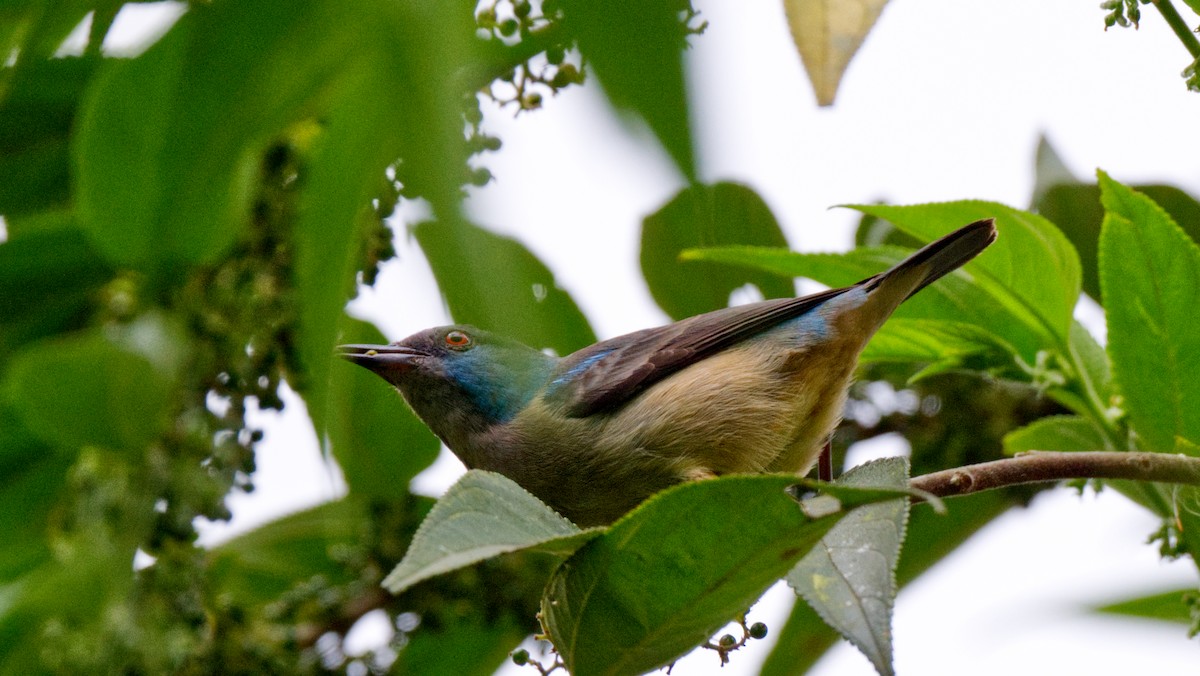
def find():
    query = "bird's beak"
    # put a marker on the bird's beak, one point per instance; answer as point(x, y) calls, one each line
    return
point(387, 361)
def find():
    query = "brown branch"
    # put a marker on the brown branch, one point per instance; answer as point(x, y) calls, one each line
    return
point(1041, 466)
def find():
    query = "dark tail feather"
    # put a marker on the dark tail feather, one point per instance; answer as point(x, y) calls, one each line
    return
point(943, 256)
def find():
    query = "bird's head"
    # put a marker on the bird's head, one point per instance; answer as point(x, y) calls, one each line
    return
point(459, 379)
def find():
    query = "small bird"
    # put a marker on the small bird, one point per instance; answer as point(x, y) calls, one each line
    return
point(745, 389)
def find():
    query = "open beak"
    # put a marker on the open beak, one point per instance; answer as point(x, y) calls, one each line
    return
point(385, 361)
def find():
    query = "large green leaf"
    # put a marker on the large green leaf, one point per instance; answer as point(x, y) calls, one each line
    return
point(714, 215)
point(194, 112)
point(1150, 272)
point(1168, 606)
point(32, 478)
point(395, 97)
point(667, 575)
point(497, 284)
point(484, 514)
point(70, 589)
point(464, 649)
point(1032, 266)
point(85, 390)
point(35, 125)
point(804, 638)
point(944, 345)
point(1092, 379)
point(377, 440)
point(260, 565)
point(849, 577)
point(1075, 208)
point(1055, 433)
point(635, 47)
point(48, 283)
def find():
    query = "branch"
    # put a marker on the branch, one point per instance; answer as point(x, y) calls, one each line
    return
point(1178, 26)
point(1039, 466)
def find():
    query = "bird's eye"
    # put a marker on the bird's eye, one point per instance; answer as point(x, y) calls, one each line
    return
point(458, 340)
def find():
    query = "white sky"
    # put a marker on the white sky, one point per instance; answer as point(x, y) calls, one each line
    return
point(945, 101)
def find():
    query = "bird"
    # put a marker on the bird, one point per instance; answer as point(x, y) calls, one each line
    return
point(752, 388)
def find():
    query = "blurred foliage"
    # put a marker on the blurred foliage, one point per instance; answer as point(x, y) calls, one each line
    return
point(183, 231)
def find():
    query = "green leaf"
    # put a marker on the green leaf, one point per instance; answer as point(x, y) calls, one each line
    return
point(268, 561)
point(195, 112)
point(945, 345)
point(32, 478)
point(1093, 378)
point(1032, 266)
point(1170, 606)
point(484, 514)
point(1055, 433)
point(462, 649)
point(35, 125)
point(799, 643)
point(1150, 272)
point(930, 538)
point(48, 283)
point(497, 284)
point(636, 51)
point(84, 390)
point(849, 578)
point(72, 590)
point(957, 297)
point(1075, 208)
point(707, 216)
point(393, 97)
point(377, 440)
point(667, 575)
point(1049, 170)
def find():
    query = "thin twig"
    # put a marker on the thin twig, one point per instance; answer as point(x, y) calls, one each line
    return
point(1042, 466)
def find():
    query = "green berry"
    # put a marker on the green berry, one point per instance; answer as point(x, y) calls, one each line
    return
point(727, 641)
point(758, 630)
point(508, 28)
point(520, 657)
point(531, 100)
point(522, 9)
point(480, 177)
point(556, 54)
point(567, 74)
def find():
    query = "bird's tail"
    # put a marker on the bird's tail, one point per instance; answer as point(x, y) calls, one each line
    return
point(935, 260)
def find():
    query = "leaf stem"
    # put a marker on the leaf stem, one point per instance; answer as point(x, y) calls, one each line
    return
point(1179, 26)
point(1041, 466)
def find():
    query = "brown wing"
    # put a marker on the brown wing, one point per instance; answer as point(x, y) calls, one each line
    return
point(608, 374)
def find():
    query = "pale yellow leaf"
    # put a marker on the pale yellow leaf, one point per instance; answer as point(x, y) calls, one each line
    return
point(827, 34)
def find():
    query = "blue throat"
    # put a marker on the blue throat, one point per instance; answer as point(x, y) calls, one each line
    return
point(500, 381)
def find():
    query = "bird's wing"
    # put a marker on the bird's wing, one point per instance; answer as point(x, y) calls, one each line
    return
point(610, 373)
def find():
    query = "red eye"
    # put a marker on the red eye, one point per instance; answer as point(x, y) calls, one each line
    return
point(458, 340)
